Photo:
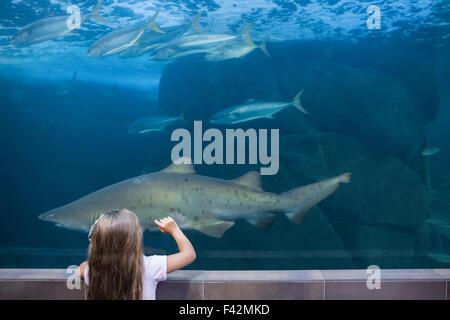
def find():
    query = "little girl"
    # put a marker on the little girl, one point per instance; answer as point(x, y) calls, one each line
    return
point(116, 266)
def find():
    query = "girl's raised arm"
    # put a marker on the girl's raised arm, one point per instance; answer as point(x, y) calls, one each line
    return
point(187, 253)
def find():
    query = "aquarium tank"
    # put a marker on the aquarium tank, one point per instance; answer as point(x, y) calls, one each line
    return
point(294, 134)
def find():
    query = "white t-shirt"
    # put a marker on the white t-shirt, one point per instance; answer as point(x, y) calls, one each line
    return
point(155, 270)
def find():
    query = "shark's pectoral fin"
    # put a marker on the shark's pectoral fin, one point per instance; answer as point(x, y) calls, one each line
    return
point(250, 179)
point(211, 227)
point(214, 229)
point(262, 222)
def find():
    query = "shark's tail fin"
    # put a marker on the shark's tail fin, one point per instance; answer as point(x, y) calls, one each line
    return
point(194, 23)
point(297, 102)
point(250, 43)
point(152, 25)
point(95, 14)
point(310, 195)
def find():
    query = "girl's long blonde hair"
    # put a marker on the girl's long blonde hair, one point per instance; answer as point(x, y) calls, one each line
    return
point(115, 257)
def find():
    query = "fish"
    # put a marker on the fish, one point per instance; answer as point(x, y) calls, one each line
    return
point(50, 28)
point(252, 109)
point(121, 39)
point(69, 86)
point(188, 45)
point(237, 48)
point(152, 124)
point(151, 40)
point(429, 151)
point(196, 202)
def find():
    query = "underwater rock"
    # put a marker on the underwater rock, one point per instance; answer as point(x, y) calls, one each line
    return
point(384, 208)
point(359, 101)
point(411, 64)
point(383, 191)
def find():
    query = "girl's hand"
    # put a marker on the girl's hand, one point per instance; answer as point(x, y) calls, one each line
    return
point(167, 225)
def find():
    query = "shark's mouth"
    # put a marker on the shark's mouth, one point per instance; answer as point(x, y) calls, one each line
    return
point(59, 225)
point(79, 229)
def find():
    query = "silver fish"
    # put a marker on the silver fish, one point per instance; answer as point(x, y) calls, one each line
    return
point(121, 39)
point(189, 44)
point(252, 109)
point(151, 124)
point(151, 40)
point(237, 48)
point(429, 151)
point(206, 204)
point(49, 28)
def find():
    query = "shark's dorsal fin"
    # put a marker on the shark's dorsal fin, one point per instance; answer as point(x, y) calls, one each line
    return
point(182, 166)
point(250, 179)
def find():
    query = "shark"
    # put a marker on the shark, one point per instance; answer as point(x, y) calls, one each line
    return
point(196, 202)
point(50, 28)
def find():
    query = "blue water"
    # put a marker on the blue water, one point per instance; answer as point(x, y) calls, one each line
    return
point(376, 98)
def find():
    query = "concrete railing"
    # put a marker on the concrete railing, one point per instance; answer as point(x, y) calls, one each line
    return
point(245, 285)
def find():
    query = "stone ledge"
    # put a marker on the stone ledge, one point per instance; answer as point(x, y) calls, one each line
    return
point(248, 285)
